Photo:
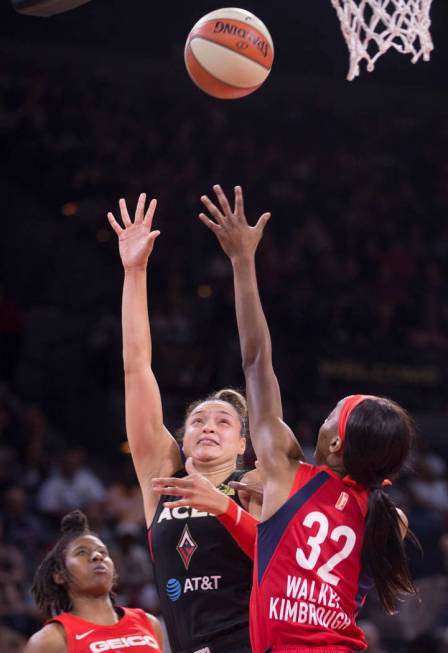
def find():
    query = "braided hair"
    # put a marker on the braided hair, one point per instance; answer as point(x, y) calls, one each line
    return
point(52, 597)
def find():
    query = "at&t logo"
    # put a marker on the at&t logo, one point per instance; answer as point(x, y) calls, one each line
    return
point(175, 590)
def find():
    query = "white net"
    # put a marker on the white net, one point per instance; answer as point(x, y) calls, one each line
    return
point(371, 27)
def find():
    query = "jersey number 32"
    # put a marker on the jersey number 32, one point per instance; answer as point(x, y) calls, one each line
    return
point(314, 543)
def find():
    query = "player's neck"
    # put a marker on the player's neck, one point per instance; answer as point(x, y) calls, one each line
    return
point(335, 463)
point(216, 473)
point(337, 469)
point(98, 610)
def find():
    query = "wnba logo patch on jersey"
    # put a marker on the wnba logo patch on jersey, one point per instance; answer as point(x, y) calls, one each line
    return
point(186, 547)
point(342, 501)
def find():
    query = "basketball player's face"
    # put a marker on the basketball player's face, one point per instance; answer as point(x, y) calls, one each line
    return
point(89, 567)
point(213, 433)
point(327, 433)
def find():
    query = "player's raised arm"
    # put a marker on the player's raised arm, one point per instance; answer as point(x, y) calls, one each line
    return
point(273, 440)
point(154, 450)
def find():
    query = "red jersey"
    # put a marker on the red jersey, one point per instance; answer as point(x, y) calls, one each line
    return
point(308, 584)
point(133, 632)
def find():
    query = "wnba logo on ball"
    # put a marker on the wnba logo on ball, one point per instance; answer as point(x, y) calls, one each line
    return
point(173, 589)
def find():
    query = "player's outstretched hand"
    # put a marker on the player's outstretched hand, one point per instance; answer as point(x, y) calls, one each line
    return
point(195, 491)
point(136, 239)
point(236, 237)
point(247, 491)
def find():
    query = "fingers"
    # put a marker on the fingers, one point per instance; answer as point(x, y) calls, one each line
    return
point(114, 224)
point(149, 215)
point(263, 220)
point(170, 483)
point(209, 223)
point(249, 488)
point(237, 485)
point(124, 213)
point(153, 235)
point(169, 491)
point(213, 210)
point(176, 504)
point(223, 201)
point(140, 210)
point(239, 203)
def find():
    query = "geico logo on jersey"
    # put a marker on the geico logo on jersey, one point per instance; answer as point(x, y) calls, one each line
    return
point(180, 513)
point(123, 642)
point(175, 590)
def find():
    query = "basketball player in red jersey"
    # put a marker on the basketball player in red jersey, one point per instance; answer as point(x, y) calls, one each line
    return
point(72, 586)
point(327, 532)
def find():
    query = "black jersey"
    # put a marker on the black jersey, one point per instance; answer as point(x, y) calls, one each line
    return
point(202, 576)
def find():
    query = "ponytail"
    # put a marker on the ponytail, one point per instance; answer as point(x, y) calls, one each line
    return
point(383, 553)
point(378, 440)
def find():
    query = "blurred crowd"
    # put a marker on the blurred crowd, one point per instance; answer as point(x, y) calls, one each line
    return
point(352, 268)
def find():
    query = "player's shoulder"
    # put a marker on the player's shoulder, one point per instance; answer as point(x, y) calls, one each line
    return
point(152, 619)
point(403, 523)
point(307, 471)
point(50, 639)
point(157, 628)
point(146, 617)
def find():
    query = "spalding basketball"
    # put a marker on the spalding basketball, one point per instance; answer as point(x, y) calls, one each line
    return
point(229, 53)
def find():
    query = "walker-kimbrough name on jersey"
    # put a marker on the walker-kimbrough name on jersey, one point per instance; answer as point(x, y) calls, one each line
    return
point(309, 603)
point(123, 642)
point(180, 513)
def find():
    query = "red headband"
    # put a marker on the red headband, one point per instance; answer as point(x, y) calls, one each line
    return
point(349, 404)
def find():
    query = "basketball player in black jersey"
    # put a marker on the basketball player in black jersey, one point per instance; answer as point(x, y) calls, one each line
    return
point(203, 577)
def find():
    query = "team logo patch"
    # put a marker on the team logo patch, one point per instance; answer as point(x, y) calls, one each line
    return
point(342, 501)
point(186, 547)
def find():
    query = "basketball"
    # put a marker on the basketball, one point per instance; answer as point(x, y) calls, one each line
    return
point(229, 53)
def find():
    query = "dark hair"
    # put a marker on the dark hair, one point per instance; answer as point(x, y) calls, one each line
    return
point(51, 597)
point(230, 396)
point(378, 440)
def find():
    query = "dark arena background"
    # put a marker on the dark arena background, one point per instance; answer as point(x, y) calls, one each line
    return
point(95, 104)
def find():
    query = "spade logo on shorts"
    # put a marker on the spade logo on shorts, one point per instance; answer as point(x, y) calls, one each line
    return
point(186, 547)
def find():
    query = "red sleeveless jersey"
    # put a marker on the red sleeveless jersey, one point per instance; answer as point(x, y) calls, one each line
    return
point(133, 633)
point(308, 584)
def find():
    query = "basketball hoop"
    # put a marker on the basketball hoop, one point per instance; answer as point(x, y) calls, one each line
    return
point(371, 27)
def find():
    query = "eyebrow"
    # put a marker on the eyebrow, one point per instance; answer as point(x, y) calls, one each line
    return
point(87, 545)
point(80, 546)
